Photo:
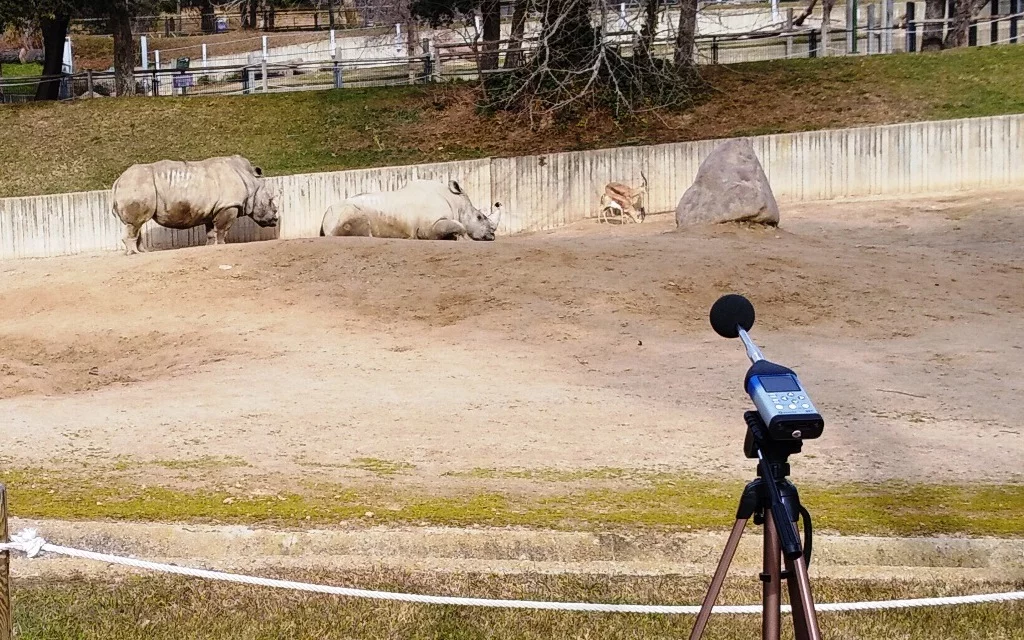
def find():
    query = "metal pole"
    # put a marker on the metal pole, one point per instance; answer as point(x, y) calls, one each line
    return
point(995, 22)
point(1014, 10)
point(88, 82)
point(911, 29)
point(888, 17)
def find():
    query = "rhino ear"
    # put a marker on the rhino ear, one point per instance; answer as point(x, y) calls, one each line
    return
point(454, 187)
point(259, 171)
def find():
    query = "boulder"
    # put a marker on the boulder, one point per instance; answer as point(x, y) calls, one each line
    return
point(730, 187)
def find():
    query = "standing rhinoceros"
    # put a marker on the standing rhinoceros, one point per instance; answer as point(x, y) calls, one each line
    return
point(421, 210)
point(181, 195)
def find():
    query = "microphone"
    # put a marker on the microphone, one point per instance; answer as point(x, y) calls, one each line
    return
point(730, 313)
point(781, 400)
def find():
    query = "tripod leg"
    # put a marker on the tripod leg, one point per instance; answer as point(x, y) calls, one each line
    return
point(805, 618)
point(772, 581)
point(718, 579)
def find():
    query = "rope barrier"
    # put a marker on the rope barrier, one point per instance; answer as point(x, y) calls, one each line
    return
point(29, 543)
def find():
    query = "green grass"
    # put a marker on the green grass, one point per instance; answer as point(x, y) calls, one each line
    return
point(15, 71)
point(48, 148)
point(659, 501)
point(158, 608)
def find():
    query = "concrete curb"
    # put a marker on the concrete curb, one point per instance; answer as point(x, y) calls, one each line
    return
point(442, 549)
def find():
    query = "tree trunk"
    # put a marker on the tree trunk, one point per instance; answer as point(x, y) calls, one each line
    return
point(124, 49)
point(963, 12)
point(55, 32)
point(799, 20)
point(650, 28)
point(208, 17)
point(514, 53)
point(931, 36)
point(567, 36)
point(685, 44)
point(491, 18)
point(351, 15)
point(252, 14)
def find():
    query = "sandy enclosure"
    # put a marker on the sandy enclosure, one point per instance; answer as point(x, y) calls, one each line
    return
point(581, 348)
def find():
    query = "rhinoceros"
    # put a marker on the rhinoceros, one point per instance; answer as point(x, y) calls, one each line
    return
point(181, 195)
point(421, 210)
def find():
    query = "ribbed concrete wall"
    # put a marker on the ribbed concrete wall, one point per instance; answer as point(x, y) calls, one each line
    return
point(544, 192)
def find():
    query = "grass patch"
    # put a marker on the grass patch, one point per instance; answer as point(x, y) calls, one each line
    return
point(156, 608)
point(49, 148)
point(13, 72)
point(662, 502)
point(380, 467)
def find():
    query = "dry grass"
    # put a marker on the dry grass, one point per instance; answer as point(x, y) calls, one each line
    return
point(157, 608)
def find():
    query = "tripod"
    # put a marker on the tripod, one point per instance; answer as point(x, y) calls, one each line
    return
point(773, 501)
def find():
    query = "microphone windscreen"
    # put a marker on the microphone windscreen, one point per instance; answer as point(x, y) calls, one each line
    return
point(729, 312)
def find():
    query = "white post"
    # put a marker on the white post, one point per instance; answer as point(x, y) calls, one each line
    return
point(871, 28)
point(264, 48)
point(266, 82)
point(334, 44)
point(145, 53)
point(478, 24)
point(156, 59)
point(789, 30)
point(398, 38)
point(204, 55)
point(623, 22)
point(775, 11)
point(68, 65)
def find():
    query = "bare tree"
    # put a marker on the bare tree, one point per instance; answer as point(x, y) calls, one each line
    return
point(931, 36)
point(686, 34)
point(514, 51)
point(490, 11)
point(121, 12)
point(963, 12)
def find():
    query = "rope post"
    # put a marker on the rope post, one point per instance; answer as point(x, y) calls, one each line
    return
point(6, 625)
point(972, 34)
point(88, 82)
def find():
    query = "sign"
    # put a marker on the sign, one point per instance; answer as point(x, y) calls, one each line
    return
point(182, 82)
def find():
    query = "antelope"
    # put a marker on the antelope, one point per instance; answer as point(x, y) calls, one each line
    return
point(624, 199)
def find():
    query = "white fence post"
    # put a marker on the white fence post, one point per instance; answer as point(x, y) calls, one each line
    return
point(266, 82)
point(334, 44)
point(144, 42)
point(204, 56)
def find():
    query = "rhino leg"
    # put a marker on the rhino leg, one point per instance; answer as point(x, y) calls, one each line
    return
point(217, 231)
point(132, 239)
point(447, 230)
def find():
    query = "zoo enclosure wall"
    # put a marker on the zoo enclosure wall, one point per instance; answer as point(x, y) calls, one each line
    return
point(550, 191)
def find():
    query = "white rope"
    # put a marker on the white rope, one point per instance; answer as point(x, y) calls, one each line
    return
point(31, 544)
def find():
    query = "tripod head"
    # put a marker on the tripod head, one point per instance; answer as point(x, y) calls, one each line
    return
point(781, 400)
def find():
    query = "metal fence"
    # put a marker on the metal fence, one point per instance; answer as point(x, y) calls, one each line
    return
point(385, 60)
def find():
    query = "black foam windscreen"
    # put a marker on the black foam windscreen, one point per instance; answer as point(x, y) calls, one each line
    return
point(729, 312)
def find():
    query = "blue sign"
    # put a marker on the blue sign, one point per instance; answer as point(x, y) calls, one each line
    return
point(182, 82)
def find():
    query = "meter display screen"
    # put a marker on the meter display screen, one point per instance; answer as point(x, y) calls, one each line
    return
point(777, 384)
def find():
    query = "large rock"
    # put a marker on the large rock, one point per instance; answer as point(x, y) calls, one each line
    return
point(730, 187)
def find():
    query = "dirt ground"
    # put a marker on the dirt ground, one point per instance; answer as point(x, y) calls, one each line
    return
point(582, 348)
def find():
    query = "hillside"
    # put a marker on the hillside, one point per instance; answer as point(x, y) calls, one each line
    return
point(48, 148)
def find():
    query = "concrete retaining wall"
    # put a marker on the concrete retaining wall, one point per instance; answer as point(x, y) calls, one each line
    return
point(544, 192)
